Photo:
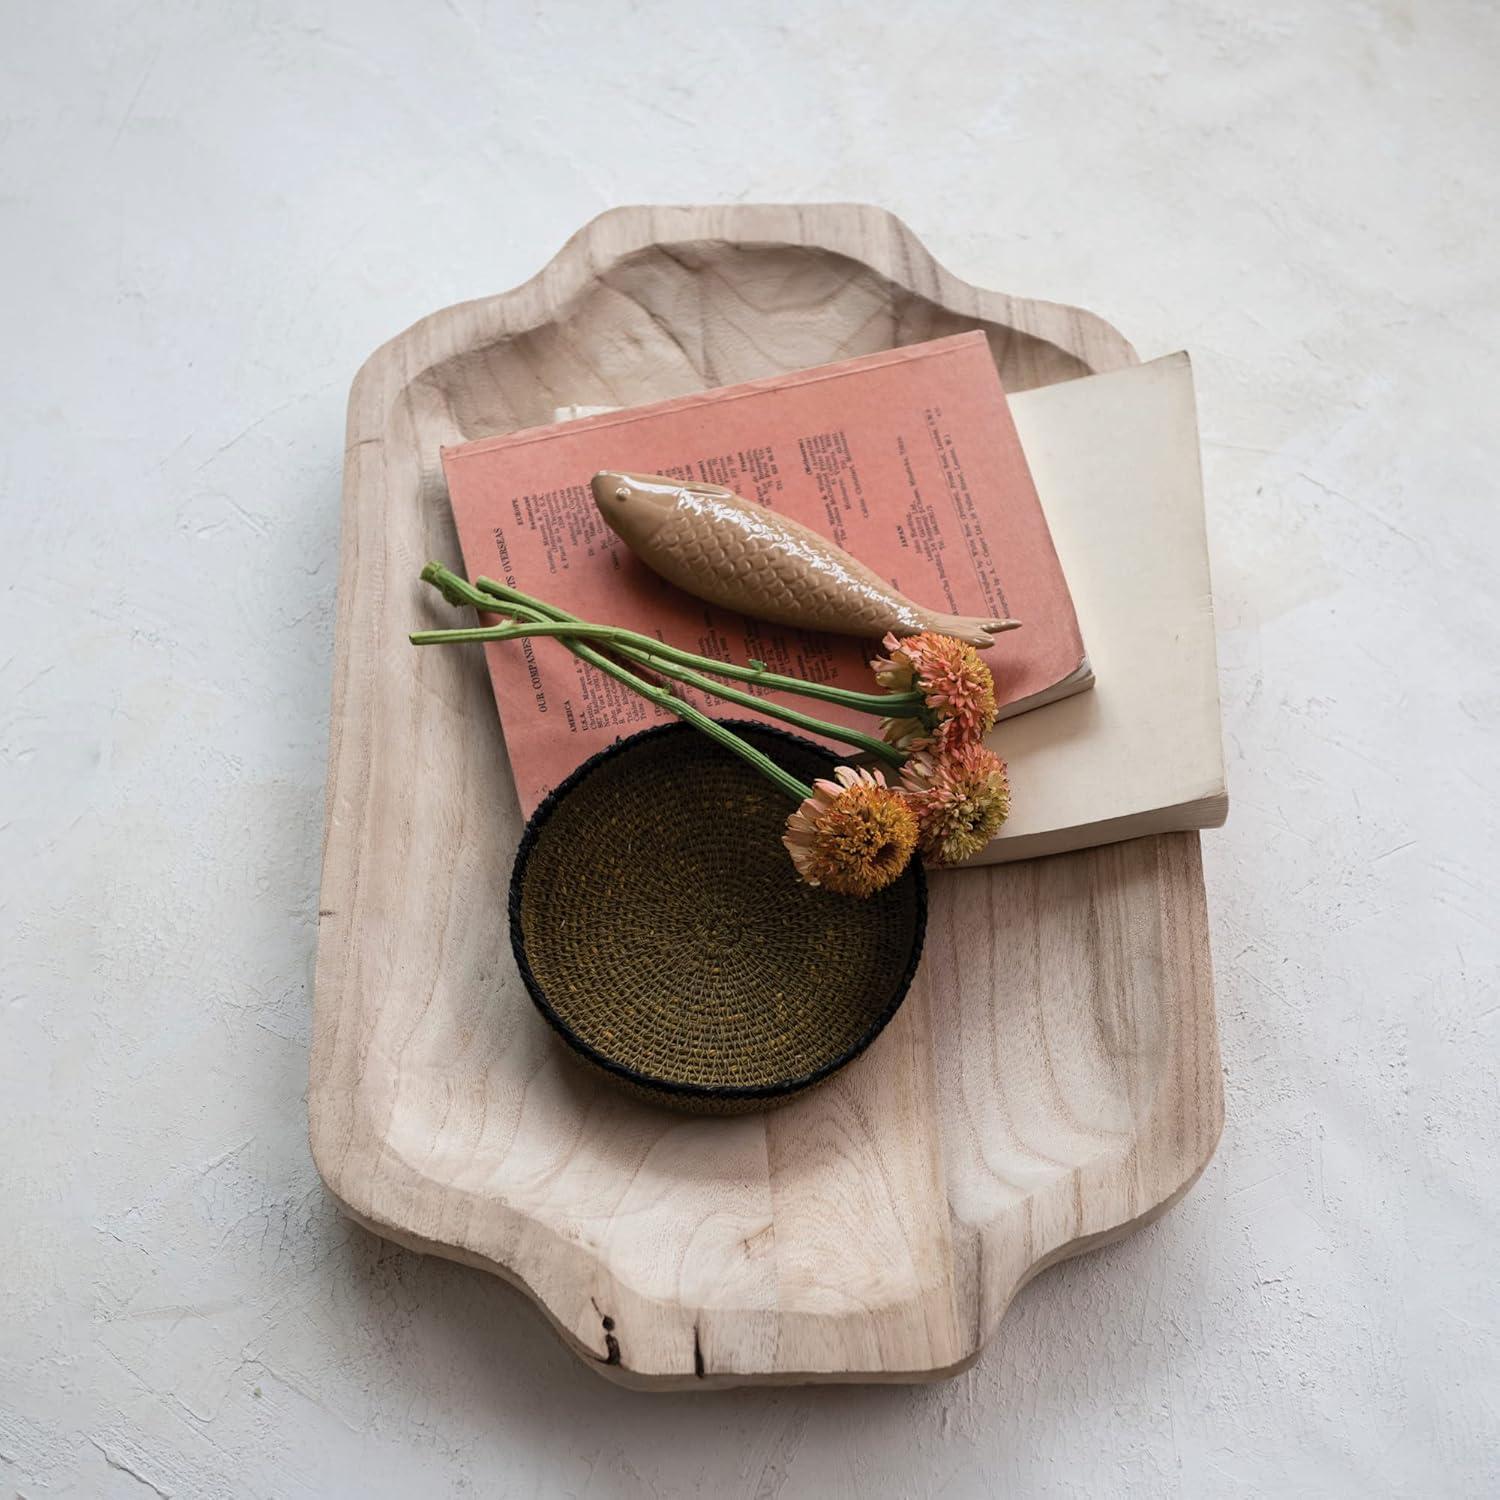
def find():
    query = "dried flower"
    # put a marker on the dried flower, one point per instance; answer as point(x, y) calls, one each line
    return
point(961, 796)
point(907, 734)
point(956, 685)
point(854, 835)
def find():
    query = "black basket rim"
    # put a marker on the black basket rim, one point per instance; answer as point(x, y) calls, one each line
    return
point(536, 824)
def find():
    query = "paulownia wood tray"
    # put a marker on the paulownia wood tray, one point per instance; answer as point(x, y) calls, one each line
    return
point(1053, 1079)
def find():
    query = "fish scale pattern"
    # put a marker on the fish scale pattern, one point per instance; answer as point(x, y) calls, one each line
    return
point(764, 567)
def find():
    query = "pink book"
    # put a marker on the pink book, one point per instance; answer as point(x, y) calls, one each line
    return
point(907, 459)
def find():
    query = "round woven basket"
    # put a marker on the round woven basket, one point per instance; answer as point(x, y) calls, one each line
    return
point(660, 928)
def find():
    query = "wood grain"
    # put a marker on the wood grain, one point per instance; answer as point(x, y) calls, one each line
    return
point(1053, 1080)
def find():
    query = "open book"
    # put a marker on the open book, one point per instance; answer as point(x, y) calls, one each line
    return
point(908, 459)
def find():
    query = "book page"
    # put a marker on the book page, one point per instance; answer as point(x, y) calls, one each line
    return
point(906, 459)
point(1116, 463)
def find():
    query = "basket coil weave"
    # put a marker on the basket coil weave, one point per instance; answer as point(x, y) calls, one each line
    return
point(659, 926)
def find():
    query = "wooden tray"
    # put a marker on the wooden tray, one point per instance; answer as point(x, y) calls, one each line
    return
point(1051, 1083)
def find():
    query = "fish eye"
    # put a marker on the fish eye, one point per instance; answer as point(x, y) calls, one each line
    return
point(623, 493)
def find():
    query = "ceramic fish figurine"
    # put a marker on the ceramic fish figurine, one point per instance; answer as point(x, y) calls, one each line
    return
point(733, 552)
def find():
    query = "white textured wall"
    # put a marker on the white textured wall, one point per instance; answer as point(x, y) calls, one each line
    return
point(209, 214)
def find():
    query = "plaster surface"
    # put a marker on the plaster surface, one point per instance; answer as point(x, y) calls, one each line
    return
point(210, 214)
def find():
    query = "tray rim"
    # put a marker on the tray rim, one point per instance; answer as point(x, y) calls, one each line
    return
point(863, 232)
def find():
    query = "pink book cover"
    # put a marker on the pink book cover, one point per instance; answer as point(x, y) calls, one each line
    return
point(907, 459)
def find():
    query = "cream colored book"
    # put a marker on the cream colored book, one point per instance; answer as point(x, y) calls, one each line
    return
point(1116, 464)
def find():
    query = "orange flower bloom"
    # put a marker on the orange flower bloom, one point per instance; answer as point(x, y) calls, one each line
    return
point(854, 835)
point(961, 796)
point(956, 685)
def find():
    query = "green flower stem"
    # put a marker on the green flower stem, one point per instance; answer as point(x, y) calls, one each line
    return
point(887, 705)
point(869, 743)
point(857, 738)
point(798, 791)
point(459, 591)
point(455, 589)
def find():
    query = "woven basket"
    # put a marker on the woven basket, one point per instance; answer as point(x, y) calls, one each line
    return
point(661, 930)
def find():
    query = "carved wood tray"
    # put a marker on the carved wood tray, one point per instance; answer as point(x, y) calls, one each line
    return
point(1052, 1081)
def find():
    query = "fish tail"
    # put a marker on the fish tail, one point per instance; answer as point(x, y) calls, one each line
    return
point(977, 630)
